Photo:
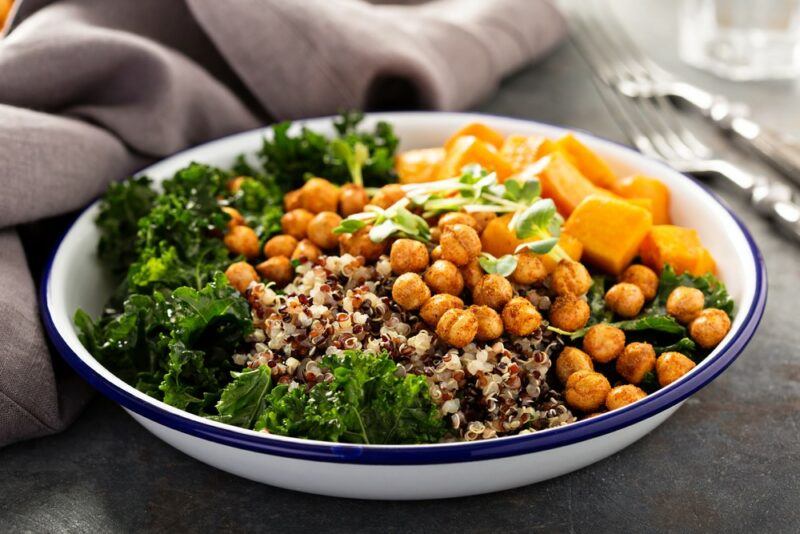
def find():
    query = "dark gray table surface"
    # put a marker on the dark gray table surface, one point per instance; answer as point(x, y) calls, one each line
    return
point(729, 459)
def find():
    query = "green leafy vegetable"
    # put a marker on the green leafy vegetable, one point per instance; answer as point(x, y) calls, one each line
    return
point(503, 265)
point(715, 292)
point(395, 221)
point(244, 400)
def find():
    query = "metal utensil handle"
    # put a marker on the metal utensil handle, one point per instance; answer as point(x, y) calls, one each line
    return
point(771, 198)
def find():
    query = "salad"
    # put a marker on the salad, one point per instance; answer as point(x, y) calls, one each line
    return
point(335, 289)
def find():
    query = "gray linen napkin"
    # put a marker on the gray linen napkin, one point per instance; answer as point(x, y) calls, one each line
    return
point(91, 90)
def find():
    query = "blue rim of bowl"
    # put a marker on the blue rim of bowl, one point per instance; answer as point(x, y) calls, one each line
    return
point(434, 453)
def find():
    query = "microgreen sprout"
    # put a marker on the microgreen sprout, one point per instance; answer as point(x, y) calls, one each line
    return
point(394, 221)
point(504, 265)
point(355, 157)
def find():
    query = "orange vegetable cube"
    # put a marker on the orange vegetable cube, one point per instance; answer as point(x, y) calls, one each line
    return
point(610, 229)
point(646, 203)
point(498, 240)
point(521, 150)
point(565, 184)
point(469, 149)
point(421, 165)
point(638, 186)
point(590, 164)
point(481, 131)
point(677, 246)
point(568, 244)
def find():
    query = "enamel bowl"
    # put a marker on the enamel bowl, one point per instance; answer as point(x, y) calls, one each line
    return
point(74, 279)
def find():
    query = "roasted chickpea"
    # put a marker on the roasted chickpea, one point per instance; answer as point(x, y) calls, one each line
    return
point(236, 218)
point(623, 395)
point(352, 199)
point(530, 269)
point(624, 299)
point(295, 223)
point(435, 307)
point(280, 245)
point(685, 303)
point(520, 317)
point(460, 244)
point(306, 251)
point(490, 324)
point(388, 195)
point(235, 184)
point(457, 327)
point(493, 290)
point(708, 328)
point(359, 244)
point(570, 277)
point(571, 360)
point(457, 217)
point(318, 195)
point(643, 277)
point(408, 256)
point(604, 342)
point(569, 313)
point(444, 277)
point(436, 253)
point(636, 360)
point(436, 234)
point(410, 291)
point(320, 229)
point(482, 220)
point(293, 200)
point(586, 391)
point(240, 274)
point(472, 273)
point(670, 366)
point(242, 240)
point(278, 269)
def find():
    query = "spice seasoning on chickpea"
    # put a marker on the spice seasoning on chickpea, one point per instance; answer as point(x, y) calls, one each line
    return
point(457, 217)
point(685, 303)
point(460, 244)
point(493, 290)
point(482, 220)
point(242, 240)
point(280, 245)
point(623, 395)
point(359, 244)
point(490, 324)
point(530, 269)
point(235, 217)
point(586, 390)
point(643, 277)
point(318, 195)
point(569, 313)
point(410, 291)
point(240, 275)
point(520, 317)
point(710, 327)
point(436, 253)
point(320, 229)
point(388, 195)
point(604, 342)
point(444, 277)
point(306, 251)
point(636, 360)
point(570, 278)
point(408, 256)
point(457, 327)
point(352, 199)
point(295, 223)
point(472, 273)
point(293, 200)
point(571, 360)
point(278, 269)
point(437, 305)
point(624, 299)
point(670, 366)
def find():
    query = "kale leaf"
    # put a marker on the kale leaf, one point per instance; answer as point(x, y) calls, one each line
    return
point(715, 292)
point(245, 398)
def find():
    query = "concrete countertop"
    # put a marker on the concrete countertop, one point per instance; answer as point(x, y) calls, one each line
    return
point(729, 459)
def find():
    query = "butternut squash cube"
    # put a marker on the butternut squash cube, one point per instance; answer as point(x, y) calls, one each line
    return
point(417, 166)
point(610, 229)
point(638, 186)
point(498, 239)
point(565, 184)
point(590, 164)
point(481, 131)
point(677, 246)
point(521, 150)
point(469, 149)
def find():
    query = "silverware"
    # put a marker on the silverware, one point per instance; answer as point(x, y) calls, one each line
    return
point(636, 76)
point(654, 127)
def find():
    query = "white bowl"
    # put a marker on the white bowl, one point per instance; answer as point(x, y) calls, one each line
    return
point(75, 279)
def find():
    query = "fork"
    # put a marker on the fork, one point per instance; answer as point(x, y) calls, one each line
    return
point(637, 76)
point(654, 127)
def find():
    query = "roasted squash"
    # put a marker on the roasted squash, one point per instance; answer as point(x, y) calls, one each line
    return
point(565, 184)
point(497, 239)
point(638, 186)
point(677, 246)
point(469, 149)
point(481, 131)
point(421, 165)
point(610, 229)
point(590, 164)
point(521, 150)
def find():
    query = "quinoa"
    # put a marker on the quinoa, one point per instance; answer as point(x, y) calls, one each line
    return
point(337, 303)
